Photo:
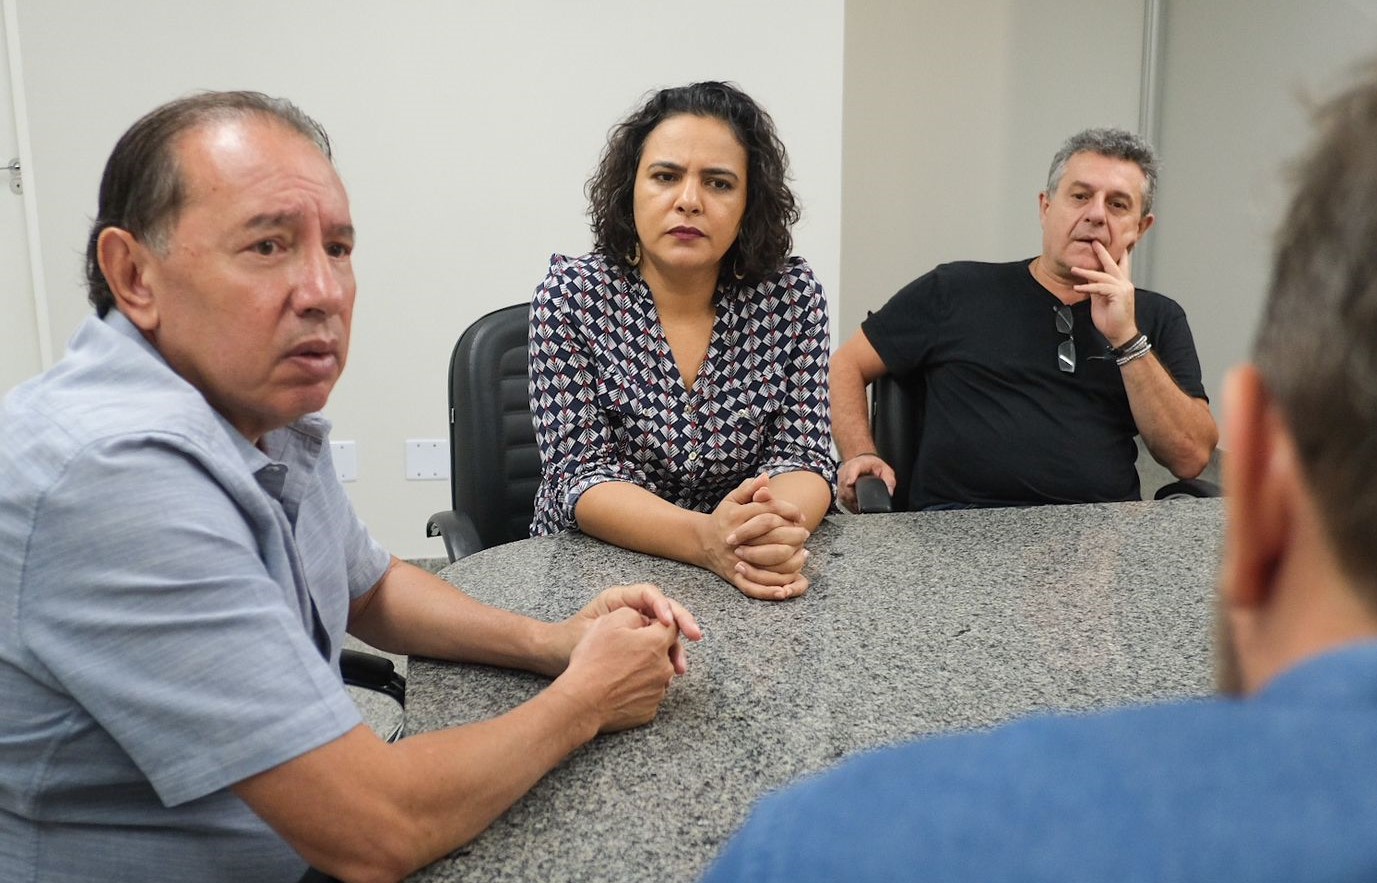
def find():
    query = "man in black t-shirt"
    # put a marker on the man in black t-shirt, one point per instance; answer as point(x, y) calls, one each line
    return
point(1038, 373)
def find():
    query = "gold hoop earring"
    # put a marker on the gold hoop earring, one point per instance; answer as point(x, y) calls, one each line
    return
point(634, 259)
point(736, 269)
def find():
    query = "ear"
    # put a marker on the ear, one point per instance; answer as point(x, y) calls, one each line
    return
point(1044, 201)
point(1143, 225)
point(126, 263)
point(1261, 481)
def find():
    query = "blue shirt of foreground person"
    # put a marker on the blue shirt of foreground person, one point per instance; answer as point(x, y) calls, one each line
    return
point(1273, 781)
point(178, 563)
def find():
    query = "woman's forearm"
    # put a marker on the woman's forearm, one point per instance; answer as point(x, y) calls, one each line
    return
point(632, 517)
point(806, 490)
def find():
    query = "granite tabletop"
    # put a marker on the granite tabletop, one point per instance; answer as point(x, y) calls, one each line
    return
point(914, 624)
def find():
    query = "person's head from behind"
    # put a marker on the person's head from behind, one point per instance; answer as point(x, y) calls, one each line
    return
point(1302, 421)
point(223, 233)
point(1100, 188)
point(695, 181)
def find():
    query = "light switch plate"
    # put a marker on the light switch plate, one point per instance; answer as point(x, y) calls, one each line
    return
point(346, 458)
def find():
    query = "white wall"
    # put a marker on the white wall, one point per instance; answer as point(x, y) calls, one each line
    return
point(464, 131)
point(19, 352)
point(1237, 80)
point(953, 112)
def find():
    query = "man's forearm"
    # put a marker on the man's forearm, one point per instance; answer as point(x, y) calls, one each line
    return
point(487, 766)
point(365, 810)
point(415, 612)
point(1177, 428)
point(405, 805)
point(850, 412)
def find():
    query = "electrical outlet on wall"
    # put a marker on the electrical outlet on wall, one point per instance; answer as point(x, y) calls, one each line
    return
point(427, 459)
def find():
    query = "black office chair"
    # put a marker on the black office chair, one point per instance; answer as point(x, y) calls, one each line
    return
point(376, 674)
point(370, 672)
point(896, 416)
point(495, 464)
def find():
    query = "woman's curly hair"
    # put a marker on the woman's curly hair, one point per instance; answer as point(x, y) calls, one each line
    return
point(764, 242)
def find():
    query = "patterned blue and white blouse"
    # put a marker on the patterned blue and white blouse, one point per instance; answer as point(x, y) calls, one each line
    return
point(609, 403)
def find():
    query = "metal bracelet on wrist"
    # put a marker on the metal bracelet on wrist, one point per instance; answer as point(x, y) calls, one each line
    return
point(1125, 359)
point(1134, 349)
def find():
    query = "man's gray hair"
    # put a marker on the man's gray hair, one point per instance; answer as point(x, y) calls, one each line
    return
point(1316, 347)
point(1115, 144)
point(142, 191)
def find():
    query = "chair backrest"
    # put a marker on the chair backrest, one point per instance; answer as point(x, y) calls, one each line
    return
point(896, 416)
point(495, 467)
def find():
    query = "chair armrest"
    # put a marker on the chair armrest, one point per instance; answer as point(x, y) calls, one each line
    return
point(372, 672)
point(872, 495)
point(1187, 487)
point(457, 530)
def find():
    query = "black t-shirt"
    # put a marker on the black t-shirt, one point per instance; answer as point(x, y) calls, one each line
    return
point(1003, 425)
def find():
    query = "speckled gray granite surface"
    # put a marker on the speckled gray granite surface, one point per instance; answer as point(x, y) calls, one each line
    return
point(915, 623)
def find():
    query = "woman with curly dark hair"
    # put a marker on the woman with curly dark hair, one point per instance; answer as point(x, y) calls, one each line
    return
point(679, 371)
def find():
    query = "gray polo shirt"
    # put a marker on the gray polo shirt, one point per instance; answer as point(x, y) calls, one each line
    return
point(172, 605)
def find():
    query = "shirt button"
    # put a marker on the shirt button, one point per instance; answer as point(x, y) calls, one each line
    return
point(693, 455)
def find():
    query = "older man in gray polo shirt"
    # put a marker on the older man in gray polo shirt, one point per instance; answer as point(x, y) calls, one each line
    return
point(178, 563)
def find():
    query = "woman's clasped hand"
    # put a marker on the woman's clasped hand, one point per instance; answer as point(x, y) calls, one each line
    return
point(755, 542)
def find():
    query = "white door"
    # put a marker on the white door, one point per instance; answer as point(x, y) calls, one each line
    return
point(19, 351)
